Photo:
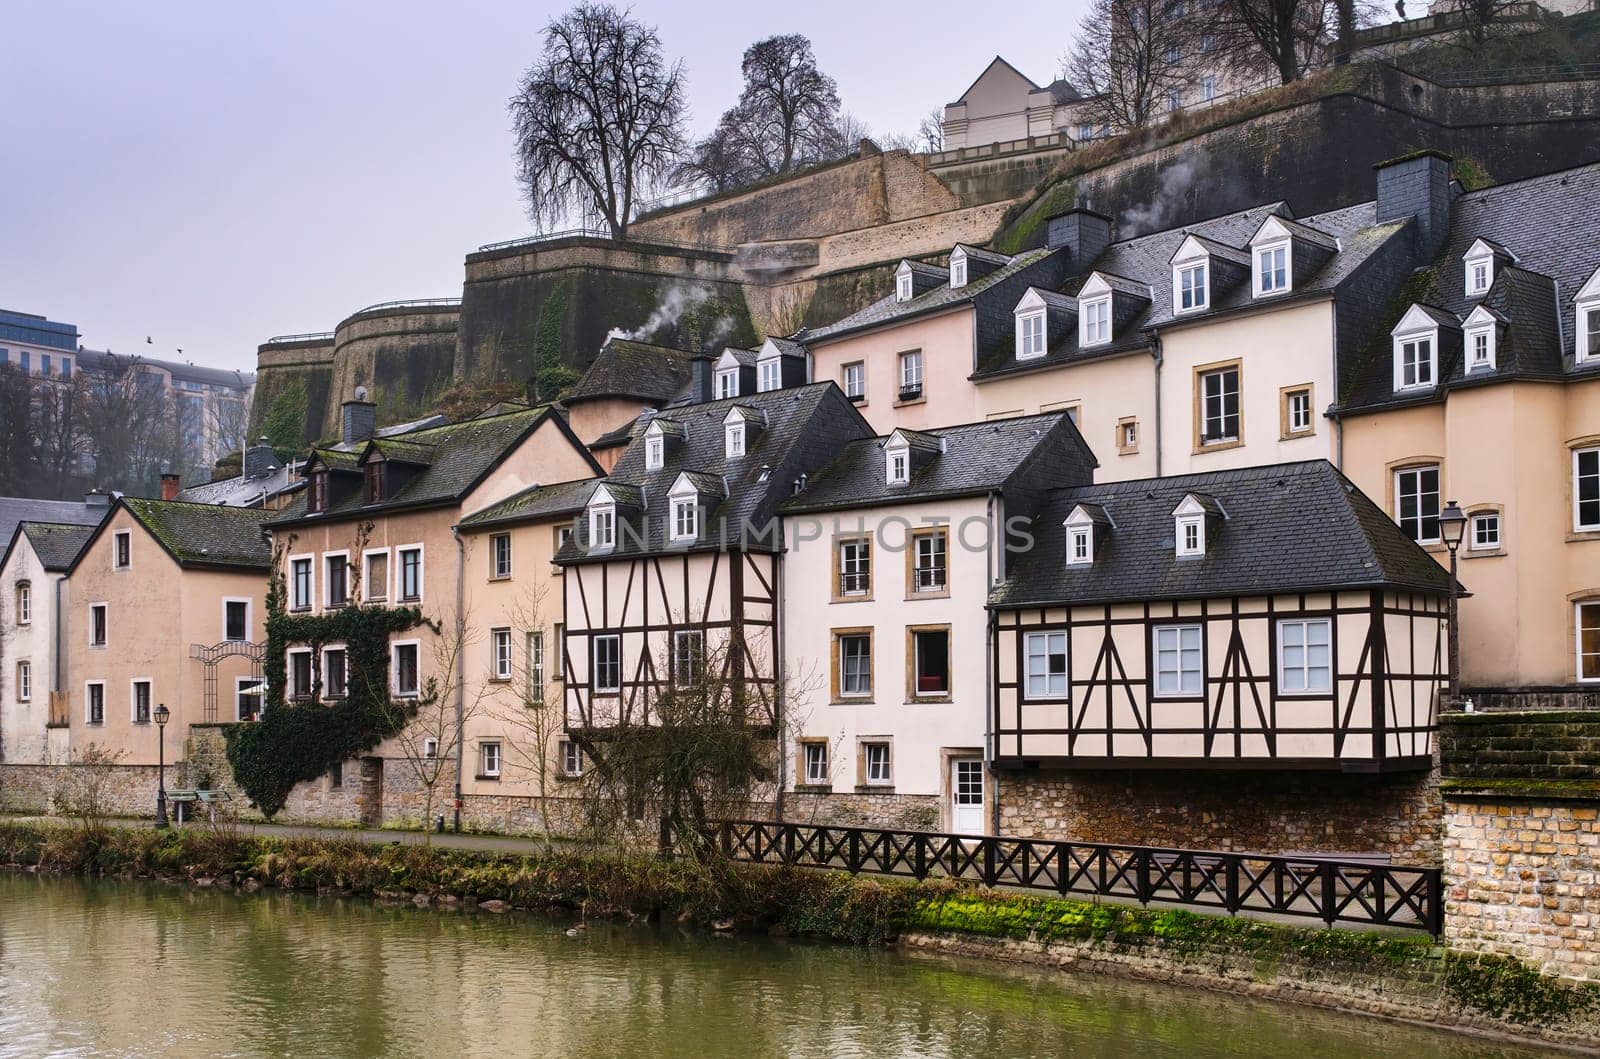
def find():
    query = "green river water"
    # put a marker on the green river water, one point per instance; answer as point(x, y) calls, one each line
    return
point(145, 969)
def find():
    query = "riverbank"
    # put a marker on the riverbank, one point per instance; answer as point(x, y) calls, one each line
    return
point(1390, 975)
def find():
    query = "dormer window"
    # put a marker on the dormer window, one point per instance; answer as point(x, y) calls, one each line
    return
point(1587, 322)
point(958, 268)
point(727, 381)
point(903, 288)
point(1416, 350)
point(897, 466)
point(602, 526)
point(1191, 535)
point(733, 438)
point(1080, 545)
point(374, 483)
point(1190, 287)
point(685, 518)
point(1479, 330)
point(769, 375)
point(1272, 268)
point(1030, 334)
point(1479, 270)
point(1094, 326)
point(317, 496)
point(654, 453)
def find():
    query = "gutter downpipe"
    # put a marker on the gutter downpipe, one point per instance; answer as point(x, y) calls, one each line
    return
point(1155, 350)
point(461, 691)
point(780, 715)
point(988, 682)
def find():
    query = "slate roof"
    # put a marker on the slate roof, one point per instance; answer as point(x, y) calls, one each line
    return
point(240, 491)
point(1551, 225)
point(888, 309)
point(15, 510)
point(787, 346)
point(1290, 527)
point(201, 535)
point(640, 370)
point(970, 460)
point(534, 503)
point(1144, 264)
point(56, 544)
point(805, 427)
point(457, 455)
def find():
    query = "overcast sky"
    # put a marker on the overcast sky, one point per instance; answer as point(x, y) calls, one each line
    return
point(213, 174)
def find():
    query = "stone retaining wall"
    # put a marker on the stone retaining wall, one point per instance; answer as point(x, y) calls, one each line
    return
point(900, 812)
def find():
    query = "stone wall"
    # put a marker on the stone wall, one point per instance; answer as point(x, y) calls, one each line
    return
point(404, 355)
point(1501, 700)
point(1512, 749)
point(126, 790)
point(1266, 812)
point(900, 812)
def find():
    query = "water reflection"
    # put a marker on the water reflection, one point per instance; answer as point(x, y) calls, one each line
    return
point(141, 969)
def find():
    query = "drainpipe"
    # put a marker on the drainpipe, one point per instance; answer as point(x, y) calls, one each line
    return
point(988, 671)
point(461, 639)
point(1155, 349)
point(780, 715)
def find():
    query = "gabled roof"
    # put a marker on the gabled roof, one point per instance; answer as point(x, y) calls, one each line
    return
point(1215, 249)
point(15, 510)
point(972, 460)
point(54, 544)
point(1295, 230)
point(533, 504)
point(453, 459)
point(786, 347)
point(1291, 527)
point(1422, 315)
point(805, 426)
point(704, 484)
point(198, 536)
point(633, 370)
point(997, 61)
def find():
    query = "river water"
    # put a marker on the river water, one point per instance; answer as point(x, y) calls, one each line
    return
point(145, 969)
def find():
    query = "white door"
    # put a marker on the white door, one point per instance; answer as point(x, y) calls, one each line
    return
point(966, 793)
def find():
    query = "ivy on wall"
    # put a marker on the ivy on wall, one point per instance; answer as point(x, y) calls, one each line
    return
point(297, 741)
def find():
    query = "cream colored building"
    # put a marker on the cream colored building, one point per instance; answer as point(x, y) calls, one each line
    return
point(157, 580)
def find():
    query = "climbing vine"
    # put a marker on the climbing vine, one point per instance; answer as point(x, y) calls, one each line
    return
point(297, 741)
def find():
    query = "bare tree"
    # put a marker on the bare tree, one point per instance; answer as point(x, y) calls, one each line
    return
point(129, 423)
point(930, 132)
point(1128, 61)
point(786, 113)
point(717, 161)
point(1482, 19)
point(1288, 36)
point(528, 707)
point(598, 119)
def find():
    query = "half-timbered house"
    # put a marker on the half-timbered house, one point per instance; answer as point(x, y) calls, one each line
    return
point(675, 559)
point(1268, 618)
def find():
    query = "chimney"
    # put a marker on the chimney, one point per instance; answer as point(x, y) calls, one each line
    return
point(170, 484)
point(1418, 185)
point(95, 498)
point(258, 459)
point(1083, 232)
point(359, 418)
point(700, 379)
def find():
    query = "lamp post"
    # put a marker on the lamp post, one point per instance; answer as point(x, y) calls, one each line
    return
point(162, 716)
point(1452, 524)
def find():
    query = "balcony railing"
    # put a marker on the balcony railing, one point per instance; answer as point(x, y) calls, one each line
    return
point(1332, 890)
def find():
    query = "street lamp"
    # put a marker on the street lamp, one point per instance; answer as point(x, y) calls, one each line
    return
point(162, 716)
point(1452, 524)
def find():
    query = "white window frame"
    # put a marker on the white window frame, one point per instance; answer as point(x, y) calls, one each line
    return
point(858, 564)
point(1191, 535)
point(1484, 518)
point(904, 288)
point(685, 518)
point(400, 554)
point(1413, 338)
point(24, 680)
point(249, 617)
point(1577, 628)
point(958, 269)
point(1032, 334)
point(536, 667)
point(1578, 525)
point(878, 773)
point(814, 754)
point(1299, 409)
point(733, 440)
point(727, 383)
point(328, 558)
point(858, 369)
point(295, 603)
point(911, 371)
point(289, 655)
point(602, 527)
point(495, 570)
point(1265, 274)
point(1223, 436)
point(394, 669)
point(844, 673)
point(1473, 336)
point(1305, 668)
point(500, 659)
point(897, 465)
point(594, 664)
point(1080, 545)
point(366, 575)
point(935, 547)
point(490, 759)
point(327, 687)
point(688, 653)
point(1483, 259)
point(655, 449)
point(1417, 470)
point(571, 758)
point(769, 375)
point(430, 749)
point(1094, 321)
point(105, 624)
point(243, 686)
point(24, 602)
point(118, 539)
point(89, 687)
point(1585, 350)
point(1199, 292)
point(1046, 685)
point(1185, 688)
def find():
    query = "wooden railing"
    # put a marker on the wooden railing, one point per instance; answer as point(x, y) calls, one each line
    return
point(1334, 891)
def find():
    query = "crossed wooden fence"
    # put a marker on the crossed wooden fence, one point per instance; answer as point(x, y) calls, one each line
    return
point(1334, 891)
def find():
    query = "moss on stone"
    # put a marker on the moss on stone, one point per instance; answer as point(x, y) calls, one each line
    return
point(1504, 988)
point(1026, 230)
point(1521, 788)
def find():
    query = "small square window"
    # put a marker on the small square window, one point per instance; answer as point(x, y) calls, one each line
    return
point(1191, 288)
point(1031, 335)
point(815, 761)
point(1305, 656)
point(1297, 412)
point(685, 519)
point(1045, 665)
point(1485, 535)
point(727, 383)
point(1095, 323)
point(770, 374)
point(1272, 269)
point(877, 764)
point(1179, 668)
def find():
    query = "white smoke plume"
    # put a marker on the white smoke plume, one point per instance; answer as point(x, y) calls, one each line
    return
point(677, 300)
point(1177, 181)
